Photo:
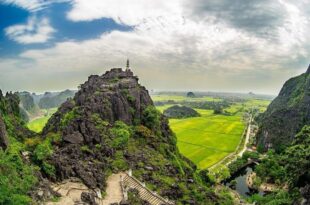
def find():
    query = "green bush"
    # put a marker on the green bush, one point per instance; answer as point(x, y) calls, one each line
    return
point(142, 131)
point(99, 122)
point(49, 169)
point(43, 150)
point(16, 179)
point(119, 162)
point(151, 118)
point(69, 116)
point(121, 134)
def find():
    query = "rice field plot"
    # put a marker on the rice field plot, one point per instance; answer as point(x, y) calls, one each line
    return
point(209, 138)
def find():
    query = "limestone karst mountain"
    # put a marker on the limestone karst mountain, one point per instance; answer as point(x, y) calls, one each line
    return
point(287, 113)
point(177, 111)
point(111, 126)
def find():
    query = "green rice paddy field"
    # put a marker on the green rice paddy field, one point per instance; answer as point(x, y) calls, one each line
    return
point(209, 138)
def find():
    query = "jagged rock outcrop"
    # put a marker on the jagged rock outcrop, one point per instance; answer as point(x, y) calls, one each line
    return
point(287, 114)
point(110, 126)
point(114, 96)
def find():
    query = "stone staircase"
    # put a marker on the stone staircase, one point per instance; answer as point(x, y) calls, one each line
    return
point(130, 182)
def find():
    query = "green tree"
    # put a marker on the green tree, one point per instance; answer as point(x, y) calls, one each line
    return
point(121, 133)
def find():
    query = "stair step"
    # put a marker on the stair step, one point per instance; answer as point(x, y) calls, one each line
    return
point(144, 193)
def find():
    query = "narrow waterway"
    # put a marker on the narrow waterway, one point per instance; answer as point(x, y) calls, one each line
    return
point(238, 183)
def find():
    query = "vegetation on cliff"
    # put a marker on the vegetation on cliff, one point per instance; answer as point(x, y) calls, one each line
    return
point(16, 175)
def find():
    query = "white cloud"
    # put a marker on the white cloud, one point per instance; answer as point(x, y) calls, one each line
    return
point(31, 5)
point(127, 12)
point(171, 50)
point(34, 31)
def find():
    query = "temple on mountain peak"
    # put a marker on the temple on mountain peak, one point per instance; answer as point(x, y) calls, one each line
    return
point(127, 65)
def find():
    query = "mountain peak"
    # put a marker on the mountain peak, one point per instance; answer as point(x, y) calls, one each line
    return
point(111, 125)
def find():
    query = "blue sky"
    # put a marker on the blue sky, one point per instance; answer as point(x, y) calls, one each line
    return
point(210, 45)
point(56, 13)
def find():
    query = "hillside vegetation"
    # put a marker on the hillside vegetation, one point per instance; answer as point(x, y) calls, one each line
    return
point(17, 177)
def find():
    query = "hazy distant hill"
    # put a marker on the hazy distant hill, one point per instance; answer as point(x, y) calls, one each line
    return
point(26, 101)
point(50, 100)
point(287, 113)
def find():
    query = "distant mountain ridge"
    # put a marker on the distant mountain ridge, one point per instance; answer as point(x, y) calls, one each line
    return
point(31, 103)
point(287, 114)
point(51, 100)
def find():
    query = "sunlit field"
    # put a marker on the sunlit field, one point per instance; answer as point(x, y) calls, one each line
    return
point(209, 138)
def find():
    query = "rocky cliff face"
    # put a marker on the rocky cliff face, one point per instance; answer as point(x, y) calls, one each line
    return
point(287, 113)
point(110, 126)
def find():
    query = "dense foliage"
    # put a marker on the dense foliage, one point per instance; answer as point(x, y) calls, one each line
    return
point(290, 167)
point(16, 177)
